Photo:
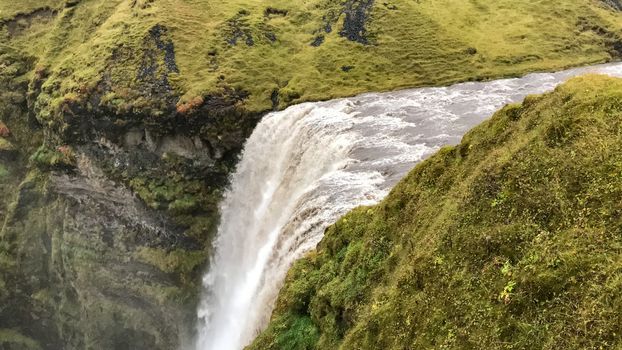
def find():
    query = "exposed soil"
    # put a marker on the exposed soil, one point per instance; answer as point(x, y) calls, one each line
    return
point(21, 22)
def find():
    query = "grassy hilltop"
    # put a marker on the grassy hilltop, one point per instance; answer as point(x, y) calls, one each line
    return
point(510, 240)
point(278, 52)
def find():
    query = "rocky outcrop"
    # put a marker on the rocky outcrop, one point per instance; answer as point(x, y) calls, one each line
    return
point(109, 215)
point(92, 253)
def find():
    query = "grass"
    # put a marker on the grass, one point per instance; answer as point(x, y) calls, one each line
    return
point(428, 42)
point(510, 240)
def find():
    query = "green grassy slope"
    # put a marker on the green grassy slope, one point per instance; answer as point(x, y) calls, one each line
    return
point(264, 48)
point(510, 240)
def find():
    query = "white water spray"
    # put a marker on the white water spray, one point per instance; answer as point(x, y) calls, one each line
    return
point(306, 166)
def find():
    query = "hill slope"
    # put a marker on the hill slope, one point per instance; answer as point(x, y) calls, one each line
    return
point(510, 240)
point(280, 52)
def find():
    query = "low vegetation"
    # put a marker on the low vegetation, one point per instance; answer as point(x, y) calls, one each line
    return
point(510, 240)
point(281, 52)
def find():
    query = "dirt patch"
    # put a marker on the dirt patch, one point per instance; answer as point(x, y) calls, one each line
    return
point(21, 22)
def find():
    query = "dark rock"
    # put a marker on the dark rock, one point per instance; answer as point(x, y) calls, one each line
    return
point(319, 40)
point(237, 28)
point(71, 3)
point(614, 4)
point(166, 46)
point(271, 11)
point(357, 15)
point(612, 39)
point(274, 97)
point(8, 151)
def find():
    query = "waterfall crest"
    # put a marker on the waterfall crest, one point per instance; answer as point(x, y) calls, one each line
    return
point(306, 166)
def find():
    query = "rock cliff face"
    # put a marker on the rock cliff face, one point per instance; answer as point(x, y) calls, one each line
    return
point(121, 120)
point(106, 221)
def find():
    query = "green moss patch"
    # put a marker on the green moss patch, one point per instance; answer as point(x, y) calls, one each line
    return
point(177, 261)
point(11, 339)
point(6, 145)
point(510, 240)
point(3, 171)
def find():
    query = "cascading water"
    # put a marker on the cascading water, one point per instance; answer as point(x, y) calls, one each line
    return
point(306, 166)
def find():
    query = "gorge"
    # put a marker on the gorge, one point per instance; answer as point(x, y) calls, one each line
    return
point(318, 161)
point(278, 174)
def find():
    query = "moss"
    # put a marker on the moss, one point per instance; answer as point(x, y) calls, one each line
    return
point(10, 339)
point(509, 240)
point(177, 261)
point(61, 157)
point(6, 145)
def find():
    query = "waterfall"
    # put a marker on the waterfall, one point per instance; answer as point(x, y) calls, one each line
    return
point(306, 166)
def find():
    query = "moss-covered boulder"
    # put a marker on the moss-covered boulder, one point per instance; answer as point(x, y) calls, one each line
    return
point(510, 240)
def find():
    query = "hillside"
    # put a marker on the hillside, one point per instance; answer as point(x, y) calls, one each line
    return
point(267, 55)
point(510, 240)
point(121, 121)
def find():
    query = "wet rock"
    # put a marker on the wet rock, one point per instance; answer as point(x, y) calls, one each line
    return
point(166, 47)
